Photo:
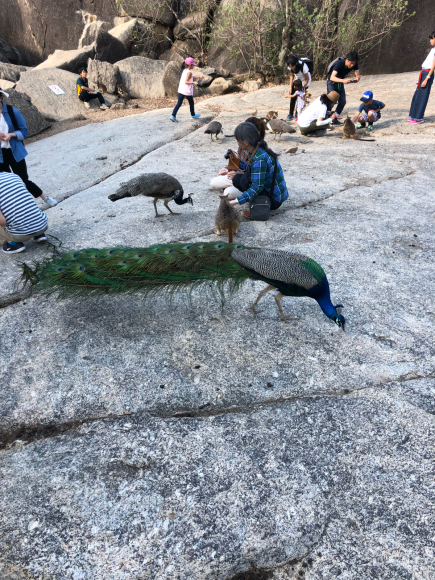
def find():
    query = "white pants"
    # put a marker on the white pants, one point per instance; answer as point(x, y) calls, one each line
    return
point(222, 182)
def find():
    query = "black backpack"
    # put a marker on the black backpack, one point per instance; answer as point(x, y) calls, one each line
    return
point(331, 64)
point(309, 63)
point(11, 114)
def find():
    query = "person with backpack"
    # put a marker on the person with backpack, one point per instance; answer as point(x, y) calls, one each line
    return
point(13, 131)
point(337, 70)
point(300, 69)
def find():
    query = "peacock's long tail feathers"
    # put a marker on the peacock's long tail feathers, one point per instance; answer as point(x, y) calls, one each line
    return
point(162, 267)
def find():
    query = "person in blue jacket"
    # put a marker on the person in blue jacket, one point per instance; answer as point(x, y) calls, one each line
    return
point(368, 112)
point(12, 150)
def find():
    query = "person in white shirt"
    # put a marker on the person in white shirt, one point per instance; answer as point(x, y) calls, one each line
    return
point(298, 70)
point(312, 121)
point(425, 81)
point(300, 95)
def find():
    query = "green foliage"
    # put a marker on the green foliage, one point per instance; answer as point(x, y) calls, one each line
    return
point(324, 30)
point(252, 32)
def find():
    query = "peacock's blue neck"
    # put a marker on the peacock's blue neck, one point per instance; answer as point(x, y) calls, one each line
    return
point(324, 301)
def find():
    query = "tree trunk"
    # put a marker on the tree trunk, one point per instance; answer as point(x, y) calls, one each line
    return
point(286, 34)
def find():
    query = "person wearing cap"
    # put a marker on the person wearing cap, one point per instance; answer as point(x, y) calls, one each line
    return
point(337, 71)
point(368, 111)
point(185, 89)
point(85, 93)
point(313, 120)
point(12, 150)
point(424, 85)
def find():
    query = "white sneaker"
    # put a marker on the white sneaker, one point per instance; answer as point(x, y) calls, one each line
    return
point(104, 107)
point(87, 105)
point(50, 201)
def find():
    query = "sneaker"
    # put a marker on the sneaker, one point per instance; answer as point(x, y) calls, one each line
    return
point(40, 238)
point(419, 122)
point(369, 127)
point(197, 116)
point(13, 248)
point(290, 117)
point(296, 120)
point(174, 119)
point(104, 107)
point(87, 105)
point(246, 213)
point(50, 201)
point(358, 126)
point(336, 122)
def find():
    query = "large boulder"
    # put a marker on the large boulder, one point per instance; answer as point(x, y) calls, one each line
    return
point(156, 11)
point(191, 26)
point(9, 54)
point(222, 86)
point(70, 60)
point(250, 86)
point(103, 74)
point(34, 120)
point(171, 78)
point(143, 77)
point(39, 27)
point(107, 47)
point(124, 32)
point(35, 84)
point(7, 85)
point(12, 72)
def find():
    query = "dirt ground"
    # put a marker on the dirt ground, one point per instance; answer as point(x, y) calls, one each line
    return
point(97, 116)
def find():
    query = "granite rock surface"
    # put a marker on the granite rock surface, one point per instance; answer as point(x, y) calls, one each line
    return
point(143, 439)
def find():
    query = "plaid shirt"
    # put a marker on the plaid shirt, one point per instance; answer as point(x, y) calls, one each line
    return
point(262, 166)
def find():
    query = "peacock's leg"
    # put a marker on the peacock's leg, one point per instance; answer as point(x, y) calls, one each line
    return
point(262, 293)
point(168, 208)
point(155, 208)
point(278, 298)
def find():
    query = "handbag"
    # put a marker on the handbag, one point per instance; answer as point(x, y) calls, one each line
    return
point(259, 207)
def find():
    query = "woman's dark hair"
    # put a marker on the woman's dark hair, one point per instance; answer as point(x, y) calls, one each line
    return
point(248, 132)
point(432, 35)
point(81, 69)
point(294, 61)
point(352, 56)
point(326, 101)
point(261, 125)
point(297, 84)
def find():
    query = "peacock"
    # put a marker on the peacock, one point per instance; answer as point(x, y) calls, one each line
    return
point(179, 266)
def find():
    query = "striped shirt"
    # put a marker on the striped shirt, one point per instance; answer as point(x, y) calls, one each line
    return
point(262, 166)
point(23, 216)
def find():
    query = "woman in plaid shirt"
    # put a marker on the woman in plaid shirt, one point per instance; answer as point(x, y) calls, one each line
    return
point(261, 167)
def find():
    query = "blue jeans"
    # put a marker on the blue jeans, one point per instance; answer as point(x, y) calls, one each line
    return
point(420, 99)
point(339, 87)
point(180, 102)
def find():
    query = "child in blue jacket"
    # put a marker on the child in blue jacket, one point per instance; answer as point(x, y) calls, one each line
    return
point(368, 112)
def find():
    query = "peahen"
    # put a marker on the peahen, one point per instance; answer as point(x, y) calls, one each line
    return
point(156, 185)
point(176, 266)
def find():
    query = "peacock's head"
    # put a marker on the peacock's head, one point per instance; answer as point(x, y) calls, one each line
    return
point(339, 318)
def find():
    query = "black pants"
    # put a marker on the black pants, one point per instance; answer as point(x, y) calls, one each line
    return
point(86, 96)
point(180, 102)
point(20, 169)
point(339, 88)
point(275, 204)
point(292, 102)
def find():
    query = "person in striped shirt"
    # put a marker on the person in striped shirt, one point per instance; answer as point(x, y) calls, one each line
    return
point(262, 162)
point(20, 217)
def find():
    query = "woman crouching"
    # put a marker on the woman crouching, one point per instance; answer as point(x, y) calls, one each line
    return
point(313, 119)
point(259, 170)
